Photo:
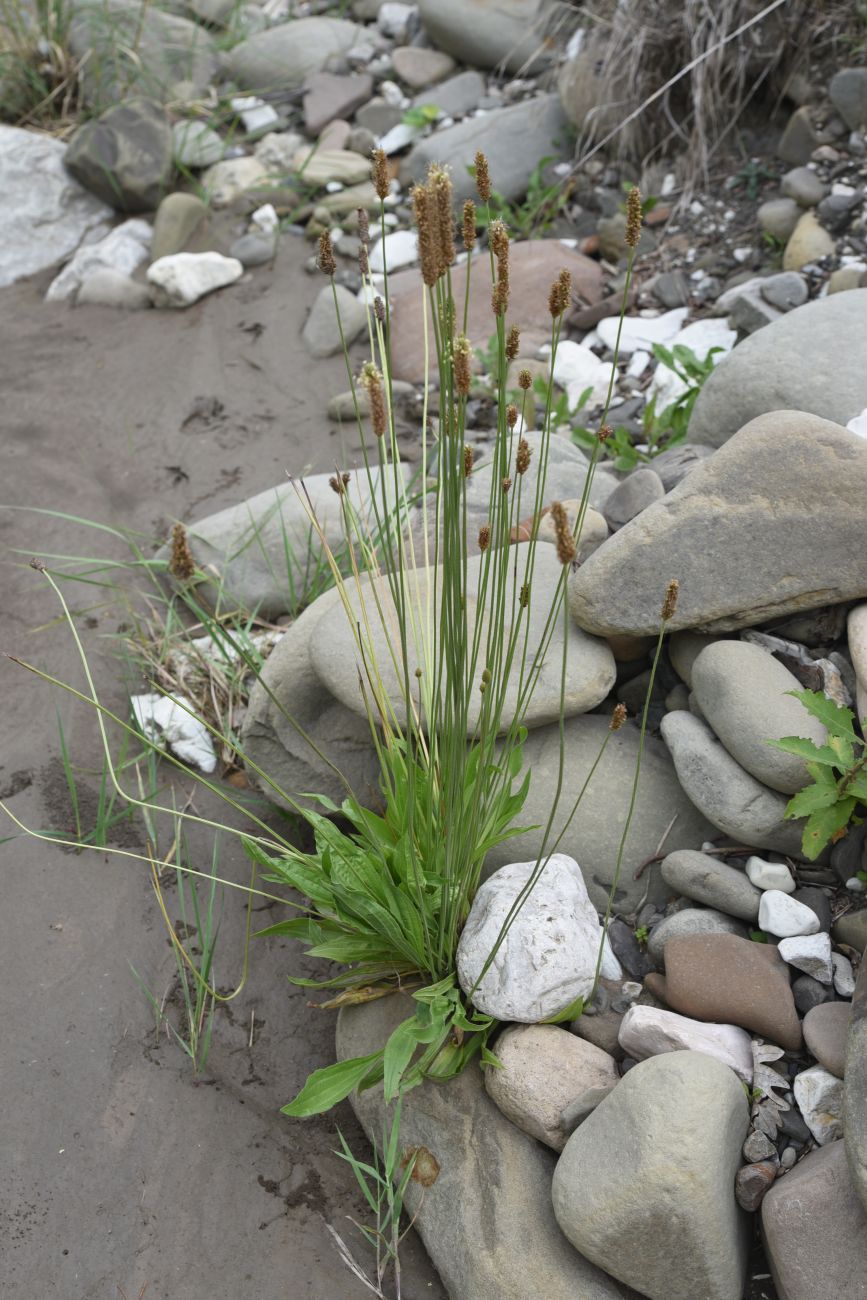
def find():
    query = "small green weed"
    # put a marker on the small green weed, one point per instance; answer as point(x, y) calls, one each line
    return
point(533, 217)
point(421, 115)
point(642, 934)
point(838, 770)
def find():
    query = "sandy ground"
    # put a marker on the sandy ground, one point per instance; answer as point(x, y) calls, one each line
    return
point(122, 1175)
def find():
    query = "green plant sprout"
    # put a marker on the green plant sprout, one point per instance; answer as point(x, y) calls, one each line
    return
point(837, 768)
point(535, 215)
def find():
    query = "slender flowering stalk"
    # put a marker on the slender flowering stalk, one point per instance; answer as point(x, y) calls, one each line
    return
point(468, 225)
point(513, 343)
point(181, 563)
point(325, 254)
point(634, 217)
point(379, 173)
point(483, 177)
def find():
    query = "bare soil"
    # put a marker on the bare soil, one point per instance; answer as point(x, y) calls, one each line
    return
point(124, 1175)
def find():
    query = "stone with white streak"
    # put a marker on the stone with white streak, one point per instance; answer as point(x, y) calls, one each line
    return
point(649, 1031)
point(786, 917)
point(543, 1070)
point(122, 250)
point(844, 976)
point(770, 875)
point(819, 1095)
point(181, 279)
point(810, 953)
point(548, 957)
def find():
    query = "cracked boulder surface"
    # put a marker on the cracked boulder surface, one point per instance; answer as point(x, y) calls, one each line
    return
point(123, 1170)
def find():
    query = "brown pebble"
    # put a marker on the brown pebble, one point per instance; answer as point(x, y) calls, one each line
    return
point(753, 1181)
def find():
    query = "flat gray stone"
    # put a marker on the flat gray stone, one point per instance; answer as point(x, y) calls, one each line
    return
point(124, 156)
point(848, 93)
point(814, 359)
point(456, 96)
point(45, 213)
point(590, 670)
point(288, 705)
point(633, 495)
point(692, 920)
point(180, 220)
point(195, 144)
point(778, 217)
point(826, 1029)
point(804, 186)
point(815, 1229)
point(855, 1087)
point(741, 556)
point(663, 813)
point(744, 694)
point(108, 288)
point(488, 33)
point(538, 123)
point(175, 59)
point(712, 881)
point(321, 332)
point(729, 797)
point(644, 1188)
point(282, 57)
point(475, 1240)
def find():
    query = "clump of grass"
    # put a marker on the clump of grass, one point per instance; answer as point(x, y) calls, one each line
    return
point(38, 72)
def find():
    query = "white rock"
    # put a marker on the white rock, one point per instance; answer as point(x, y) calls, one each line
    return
point(576, 369)
point(195, 144)
point(770, 875)
point(642, 331)
point(228, 180)
point(784, 916)
point(170, 720)
point(393, 18)
point(548, 957)
point(701, 337)
point(276, 152)
point(844, 976)
point(399, 249)
point(819, 1095)
point(266, 218)
point(254, 112)
point(399, 137)
point(181, 279)
point(44, 214)
point(319, 166)
point(649, 1031)
point(858, 424)
point(810, 953)
point(122, 250)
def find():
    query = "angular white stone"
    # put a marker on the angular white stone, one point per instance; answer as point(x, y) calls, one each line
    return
point(45, 213)
point(770, 875)
point(228, 180)
point(181, 279)
point(548, 957)
point(844, 976)
point(820, 1100)
point(650, 1031)
point(642, 331)
point(810, 953)
point(399, 249)
point(577, 368)
point(122, 250)
point(784, 916)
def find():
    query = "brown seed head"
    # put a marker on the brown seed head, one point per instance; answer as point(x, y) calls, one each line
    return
point(524, 597)
point(633, 217)
point(498, 238)
point(379, 309)
point(461, 356)
point(560, 295)
point(605, 432)
point(565, 278)
point(562, 534)
point(506, 484)
point(372, 383)
point(379, 173)
point(523, 456)
point(469, 457)
point(468, 226)
point(618, 717)
point(669, 605)
point(511, 415)
point(363, 225)
point(339, 483)
point(181, 563)
point(363, 263)
point(425, 213)
point(525, 380)
point(513, 342)
point(484, 537)
point(483, 177)
point(325, 254)
point(440, 185)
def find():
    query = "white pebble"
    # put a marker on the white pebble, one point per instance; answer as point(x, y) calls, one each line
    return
point(784, 916)
point(810, 953)
point(770, 875)
point(820, 1100)
point(844, 976)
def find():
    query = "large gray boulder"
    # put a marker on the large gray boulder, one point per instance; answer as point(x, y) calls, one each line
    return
point(264, 554)
point(855, 1089)
point(489, 32)
point(124, 156)
point(514, 139)
point(297, 739)
point(132, 47)
point(45, 213)
point(282, 57)
point(812, 359)
point(486, 1221)
point(771, 524)
point(590, 667)
point(745, 695)
point(663, 813)
point(728, 796)
point(645, 1187)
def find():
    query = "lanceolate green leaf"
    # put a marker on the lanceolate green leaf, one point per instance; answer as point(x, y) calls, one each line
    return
point(326, 1087)
point(823, 825)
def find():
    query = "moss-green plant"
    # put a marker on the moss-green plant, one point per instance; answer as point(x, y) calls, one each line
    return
point(836, 796)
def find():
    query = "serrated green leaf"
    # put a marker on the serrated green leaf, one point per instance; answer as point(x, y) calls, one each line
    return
point(823, 824)
point(806, 749)
point(838, 720)
point(811, 799)
point(326, 1087)
point(858, 786)
point(844, 749)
